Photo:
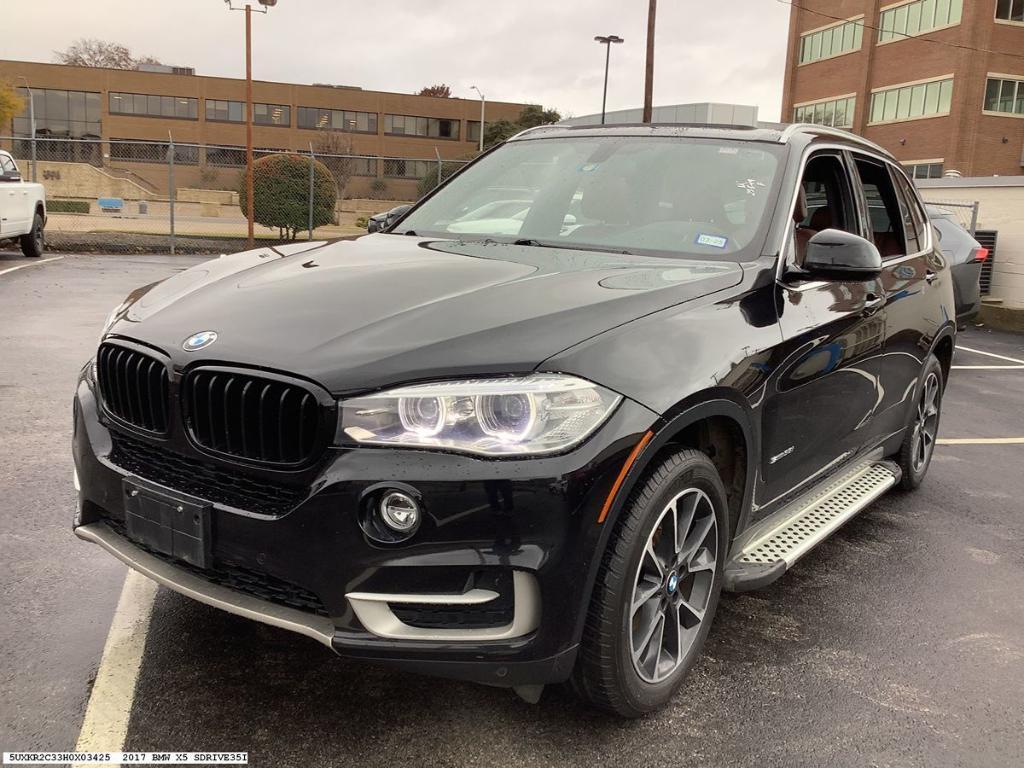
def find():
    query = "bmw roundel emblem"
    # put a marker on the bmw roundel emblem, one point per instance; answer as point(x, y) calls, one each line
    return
point(673, 582)
point(198, 341)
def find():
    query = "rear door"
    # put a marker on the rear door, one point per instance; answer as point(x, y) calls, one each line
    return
point(912, 276)
point(819, 408)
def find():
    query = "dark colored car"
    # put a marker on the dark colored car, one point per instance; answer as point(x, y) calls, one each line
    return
point(381, 221)
point(965, 257)
point(532, 458)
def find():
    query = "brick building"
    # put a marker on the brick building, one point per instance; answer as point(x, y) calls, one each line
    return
point(939, 83)
point(125, 117)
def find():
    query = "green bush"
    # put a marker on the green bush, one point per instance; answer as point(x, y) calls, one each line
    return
point(67, 206)
point(378, 189)
point(281, 194)
point(362, 222)
point(429, 182)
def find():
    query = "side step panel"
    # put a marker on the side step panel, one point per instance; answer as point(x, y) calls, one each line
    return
point(765, 552)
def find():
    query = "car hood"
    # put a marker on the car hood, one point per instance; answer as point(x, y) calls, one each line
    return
point(383, 309)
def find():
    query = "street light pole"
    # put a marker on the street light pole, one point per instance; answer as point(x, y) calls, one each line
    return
point(31, 122)
point(606, 41)
point(267, 4)
point(483, 104)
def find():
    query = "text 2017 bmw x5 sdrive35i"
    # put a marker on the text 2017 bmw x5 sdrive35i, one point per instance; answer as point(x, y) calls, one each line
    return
point(529, 433)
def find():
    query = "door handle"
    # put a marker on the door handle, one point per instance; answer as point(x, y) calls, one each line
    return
point(930, 276)
point(872, 303)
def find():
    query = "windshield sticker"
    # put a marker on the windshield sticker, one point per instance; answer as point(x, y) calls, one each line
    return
point(712, 240)
point(589, 167)
point(728, 150)
point(751, 186)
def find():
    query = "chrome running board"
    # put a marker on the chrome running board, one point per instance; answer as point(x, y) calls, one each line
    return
point(767, 550)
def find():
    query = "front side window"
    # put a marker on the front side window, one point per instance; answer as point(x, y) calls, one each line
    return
point(669, 195)
point(883, 208)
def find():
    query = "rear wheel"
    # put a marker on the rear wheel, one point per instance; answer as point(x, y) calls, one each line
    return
point(32, 243)
point(657, 589)
point(919, 442)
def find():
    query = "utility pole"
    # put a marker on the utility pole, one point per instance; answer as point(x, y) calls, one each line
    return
point(483, 105)
point(248, 121)
point(649, 73)
point(266, 5)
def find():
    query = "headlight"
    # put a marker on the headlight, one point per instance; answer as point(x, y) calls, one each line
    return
point(540, 413)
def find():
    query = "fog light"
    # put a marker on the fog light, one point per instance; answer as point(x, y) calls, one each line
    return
point(399, 511)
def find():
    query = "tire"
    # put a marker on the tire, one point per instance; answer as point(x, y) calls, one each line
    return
point(913, 457)
point(32, 243)
point(606, 674)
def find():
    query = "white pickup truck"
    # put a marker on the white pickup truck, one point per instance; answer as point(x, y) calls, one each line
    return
point(22, 208)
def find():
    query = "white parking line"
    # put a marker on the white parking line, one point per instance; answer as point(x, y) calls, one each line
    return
point(991, 354)
point(981, 441)
point(110, 704)
point(988, 367)
point(30, 264)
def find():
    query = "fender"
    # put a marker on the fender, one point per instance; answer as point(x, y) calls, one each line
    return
point(719, 401)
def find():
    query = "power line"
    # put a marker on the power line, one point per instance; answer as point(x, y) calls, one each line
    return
point(904, 35)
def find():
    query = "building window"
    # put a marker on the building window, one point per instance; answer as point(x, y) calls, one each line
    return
point(60, 114)
point(364, 166)
point(473, 130)
point(146, 105)
point(832, 41)
point(925, 170)
point(902, 21)
point(433, 127)
point(221, 111)
point(234, 157)
point(1010, 10)
point(406, 169)
point(130, 151)
point(909, 102)
point(837, 113)
point(1004, 96)
point(319, 119)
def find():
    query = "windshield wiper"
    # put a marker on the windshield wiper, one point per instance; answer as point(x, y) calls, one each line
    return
point(571, 246)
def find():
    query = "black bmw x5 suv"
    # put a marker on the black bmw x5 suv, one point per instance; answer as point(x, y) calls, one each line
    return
point(529, 433)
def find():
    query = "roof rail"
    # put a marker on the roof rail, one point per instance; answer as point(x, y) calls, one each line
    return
point(534, 128)
point(824, 130)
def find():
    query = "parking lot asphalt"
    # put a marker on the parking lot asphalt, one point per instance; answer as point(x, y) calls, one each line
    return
point(900, 641)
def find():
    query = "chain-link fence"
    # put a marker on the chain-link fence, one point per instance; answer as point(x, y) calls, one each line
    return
point(121, 195)
point(965, 213)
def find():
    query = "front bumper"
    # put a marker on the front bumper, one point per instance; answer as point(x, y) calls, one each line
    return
point(529, 524)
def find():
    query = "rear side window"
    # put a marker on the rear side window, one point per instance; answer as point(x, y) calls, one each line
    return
point(911, 214)
point(883, 208)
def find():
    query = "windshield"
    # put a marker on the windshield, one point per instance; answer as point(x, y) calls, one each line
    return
point(670, 195)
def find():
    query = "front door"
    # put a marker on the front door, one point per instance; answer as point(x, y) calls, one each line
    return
point(824, 391)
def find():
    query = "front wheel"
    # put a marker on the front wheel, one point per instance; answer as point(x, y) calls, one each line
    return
point(915, 454)
point(657, 588)
point(32, 243)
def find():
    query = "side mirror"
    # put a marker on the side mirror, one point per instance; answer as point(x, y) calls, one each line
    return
point(838, 254)
point(373, 225)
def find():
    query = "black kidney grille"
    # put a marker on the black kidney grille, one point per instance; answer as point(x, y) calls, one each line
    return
point(250, 417)
point(134, 387)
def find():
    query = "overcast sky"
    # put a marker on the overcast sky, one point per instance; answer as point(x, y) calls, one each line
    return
point(538, 51)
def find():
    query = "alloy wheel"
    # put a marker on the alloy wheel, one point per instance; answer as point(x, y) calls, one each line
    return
point(926, 423)
point(673, 585)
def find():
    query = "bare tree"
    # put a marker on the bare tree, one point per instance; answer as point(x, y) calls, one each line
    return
point(90, 52)
point(440, 90)
point(333, 149)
